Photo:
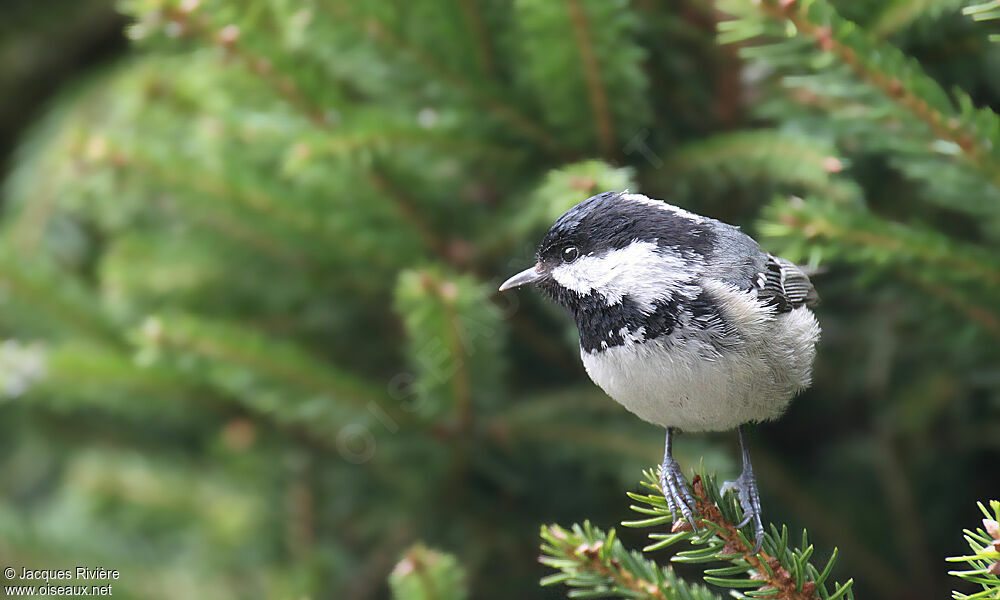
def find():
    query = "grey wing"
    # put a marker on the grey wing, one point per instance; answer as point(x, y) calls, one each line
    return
point(739, 260)
point(783, 285)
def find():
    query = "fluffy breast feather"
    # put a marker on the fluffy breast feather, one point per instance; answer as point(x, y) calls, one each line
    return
point(684, 380)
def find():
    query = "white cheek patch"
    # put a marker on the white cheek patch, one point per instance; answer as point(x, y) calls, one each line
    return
point(639, 271)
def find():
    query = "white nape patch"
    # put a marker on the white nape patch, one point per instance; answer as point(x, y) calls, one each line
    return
point(640, 271)
point(680, 212)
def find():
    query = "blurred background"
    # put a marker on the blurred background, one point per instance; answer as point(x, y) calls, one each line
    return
point(250, 344)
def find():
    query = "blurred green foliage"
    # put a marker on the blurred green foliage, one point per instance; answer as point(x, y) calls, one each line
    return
point(249, 343)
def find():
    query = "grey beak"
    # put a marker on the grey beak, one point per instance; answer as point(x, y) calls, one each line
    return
point(526, 276)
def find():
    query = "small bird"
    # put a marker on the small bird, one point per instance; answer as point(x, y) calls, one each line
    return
point(683, 320)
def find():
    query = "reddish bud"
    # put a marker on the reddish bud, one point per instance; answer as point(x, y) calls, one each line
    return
point(582, 183)
point(825, 38)
point(992, 528)
point(229, 34)
point(681, 525)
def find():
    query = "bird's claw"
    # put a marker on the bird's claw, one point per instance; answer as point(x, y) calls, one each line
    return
point(746, 488)
point(676, 492)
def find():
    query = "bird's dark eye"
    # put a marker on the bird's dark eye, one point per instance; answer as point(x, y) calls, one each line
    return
point(570, 253)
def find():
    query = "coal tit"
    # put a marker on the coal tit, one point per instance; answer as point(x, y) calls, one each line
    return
point(683, 320)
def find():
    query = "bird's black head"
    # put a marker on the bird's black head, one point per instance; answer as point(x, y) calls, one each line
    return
point(618, 250)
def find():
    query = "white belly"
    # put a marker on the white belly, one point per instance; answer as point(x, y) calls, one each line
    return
point(684, 383)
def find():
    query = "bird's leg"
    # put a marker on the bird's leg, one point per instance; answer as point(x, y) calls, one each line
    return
point(746, 486)
point(673, 484)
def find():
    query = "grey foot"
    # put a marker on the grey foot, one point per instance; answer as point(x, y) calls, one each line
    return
point(746, 488)
point(675, 490)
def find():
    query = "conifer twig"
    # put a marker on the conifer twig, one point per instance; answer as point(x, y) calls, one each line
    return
point(499, 109)
point(984, 560)
point(768, 569)
point(445, 293)
point(227, 39)
point(976, 313)
point(777, 570)
point(591, 559)
point(592, 75)
point(596, 564)
point(286, 88)
point(409, 211)
point(227, 344)
point(947, 127)
point(856, 229)
point(586, 559)
point(484, 52)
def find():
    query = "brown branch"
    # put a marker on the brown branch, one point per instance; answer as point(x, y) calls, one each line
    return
point(912, 544)
point(728, 104)
point(218, 349)
point(205, 186)
point(861, 556)
point(227, 38)
point(286, 88)
point(27, 288)
point(408, 210)
point(300, 511)
point(461, 384)
point(34, 218)
point(483, 50)
point(487, 100)
point(825, 228)
point(974, 312)
point(766, 568)
point(591, 71)
point(949, 129)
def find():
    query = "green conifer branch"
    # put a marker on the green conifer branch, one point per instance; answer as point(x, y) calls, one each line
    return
point(603, 120)
point(599, 564)
point(975, 312)
point(79, 375)
point(426, 574)
point(408, 210)
point(56, 296)
point(487, 100)
point(858, 234)
point(271, 377)
point(985, 11)
point(984, 562)
point(455, 334)
point(778, 570)
point(793, 160)
point(193, 23)
point(899, 79)
point(227, 212)
point(285, 87)
point(899, 14)
point(484, 50)
point(599, 60)
point(595, 564)
point(960, 274)
point(254, 217)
